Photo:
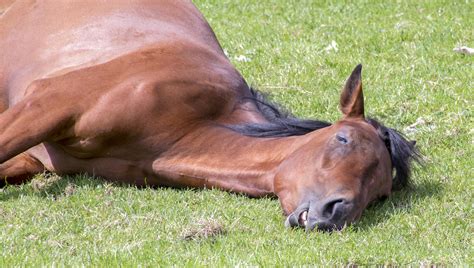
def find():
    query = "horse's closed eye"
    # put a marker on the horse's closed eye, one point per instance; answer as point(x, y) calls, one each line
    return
point(341, 139)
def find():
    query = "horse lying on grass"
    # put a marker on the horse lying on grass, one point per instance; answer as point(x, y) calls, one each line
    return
point(142, 93)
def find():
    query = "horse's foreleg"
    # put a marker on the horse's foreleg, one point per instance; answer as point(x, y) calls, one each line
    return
point(19, 169)
point(39, 117)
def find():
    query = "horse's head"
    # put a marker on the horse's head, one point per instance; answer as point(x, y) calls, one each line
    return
point(330, 180)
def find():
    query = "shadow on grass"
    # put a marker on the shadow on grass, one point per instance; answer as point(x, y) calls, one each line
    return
point(400, 202)
point(49, 185)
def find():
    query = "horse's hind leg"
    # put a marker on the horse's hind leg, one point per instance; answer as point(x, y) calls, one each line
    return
point(19, 169)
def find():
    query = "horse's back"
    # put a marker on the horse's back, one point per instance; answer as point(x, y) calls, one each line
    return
point(43, 40)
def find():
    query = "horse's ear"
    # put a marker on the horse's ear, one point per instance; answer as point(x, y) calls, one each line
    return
point(352, 99)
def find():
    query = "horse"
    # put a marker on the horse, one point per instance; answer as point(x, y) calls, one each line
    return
point(142, 93)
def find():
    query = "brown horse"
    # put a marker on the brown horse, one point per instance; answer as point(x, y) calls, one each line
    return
point(141, 92)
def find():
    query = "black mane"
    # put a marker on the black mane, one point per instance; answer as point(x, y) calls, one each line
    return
point(282, 124)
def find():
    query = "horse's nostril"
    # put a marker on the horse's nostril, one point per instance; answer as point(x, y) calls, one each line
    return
point(331, 208)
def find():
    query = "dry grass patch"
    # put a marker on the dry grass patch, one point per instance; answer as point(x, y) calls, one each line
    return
point(42, 182)
point(204, 229)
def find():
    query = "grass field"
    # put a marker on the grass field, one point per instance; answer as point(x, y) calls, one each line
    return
point(413, 82)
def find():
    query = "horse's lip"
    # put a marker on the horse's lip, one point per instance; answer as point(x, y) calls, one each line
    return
point(305, 217)
point(303, 220)
point(300, 220)
point(295, 219)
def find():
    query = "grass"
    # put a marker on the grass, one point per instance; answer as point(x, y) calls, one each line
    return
point(411, 77)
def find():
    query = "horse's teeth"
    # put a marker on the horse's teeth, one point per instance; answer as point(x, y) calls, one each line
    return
point(303, 220)
point(305, 215)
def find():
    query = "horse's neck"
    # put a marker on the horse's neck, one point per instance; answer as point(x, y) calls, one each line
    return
point(218, 157)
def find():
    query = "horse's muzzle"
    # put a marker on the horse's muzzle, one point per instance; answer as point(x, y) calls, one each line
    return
point(323, 216)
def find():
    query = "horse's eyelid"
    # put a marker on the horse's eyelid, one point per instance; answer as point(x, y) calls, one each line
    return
point(341, 139)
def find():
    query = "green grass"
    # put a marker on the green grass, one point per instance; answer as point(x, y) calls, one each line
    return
point(410, 73)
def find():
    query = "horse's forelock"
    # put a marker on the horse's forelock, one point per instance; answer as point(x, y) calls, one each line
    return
point(402, 153)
